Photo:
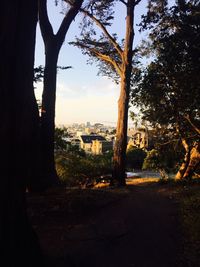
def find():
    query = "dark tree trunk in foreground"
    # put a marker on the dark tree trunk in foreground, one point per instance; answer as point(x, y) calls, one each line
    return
point(48, 114)
point(53, 43)
point(18, 133)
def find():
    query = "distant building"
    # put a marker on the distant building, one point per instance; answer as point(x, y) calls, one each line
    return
point(98, 125)
point(79, 133)
point(89, 130)
point(138, 138)
point(95, 144)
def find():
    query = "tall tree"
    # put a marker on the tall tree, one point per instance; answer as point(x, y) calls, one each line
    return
point(114, 59)
point(19, 120)
point(169, 91)
point(53, 43)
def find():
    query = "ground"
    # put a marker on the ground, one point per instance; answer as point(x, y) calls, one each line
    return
point(137, 226)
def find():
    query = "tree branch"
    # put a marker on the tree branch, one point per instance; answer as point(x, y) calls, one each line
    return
point(122, 1)
point(45, 25)
point(108, 60)
point(101, 56)
point(137, 2)
point(60, 36)
point(175, 140)
point(195, 128)
point(102, 27)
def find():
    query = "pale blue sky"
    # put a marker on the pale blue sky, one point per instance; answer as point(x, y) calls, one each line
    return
point(81, 94)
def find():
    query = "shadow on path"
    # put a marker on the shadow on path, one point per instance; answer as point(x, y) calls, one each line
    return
point(141, 230)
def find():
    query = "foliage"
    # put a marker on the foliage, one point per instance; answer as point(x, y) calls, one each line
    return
point(164, 157)
point(60, 136)
point(75, 168)
point(171, 79)
point(135, 157)
point(152, 161)
point(169, 91)
point(39, 72)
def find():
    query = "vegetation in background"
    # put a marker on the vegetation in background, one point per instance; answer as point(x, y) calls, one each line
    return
point(75, 168)
point(60, 135)
point(135, 157)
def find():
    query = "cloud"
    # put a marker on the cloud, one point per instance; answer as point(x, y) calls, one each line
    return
point(94, 101)
point(97, 102)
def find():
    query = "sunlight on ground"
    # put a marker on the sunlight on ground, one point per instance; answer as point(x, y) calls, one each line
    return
point(134, 181)
point(142, 180)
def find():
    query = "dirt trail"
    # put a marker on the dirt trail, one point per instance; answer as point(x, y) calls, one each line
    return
point(139, 231)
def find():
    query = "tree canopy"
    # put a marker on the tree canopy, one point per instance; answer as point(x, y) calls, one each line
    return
point(169, 91)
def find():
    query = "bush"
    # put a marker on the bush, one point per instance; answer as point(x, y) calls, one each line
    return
point(79, 169)
point(135, 157)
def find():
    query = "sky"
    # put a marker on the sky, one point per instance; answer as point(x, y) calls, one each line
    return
point(82, 95)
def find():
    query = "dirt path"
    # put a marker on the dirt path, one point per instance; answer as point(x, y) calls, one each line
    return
point(139, 231)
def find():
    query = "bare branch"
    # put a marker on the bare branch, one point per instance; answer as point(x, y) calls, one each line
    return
point(102, 27)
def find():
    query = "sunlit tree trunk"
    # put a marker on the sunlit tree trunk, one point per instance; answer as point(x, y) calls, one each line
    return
point(193, 162)
point(185, 162)
point(119, 159)
point(18, 134)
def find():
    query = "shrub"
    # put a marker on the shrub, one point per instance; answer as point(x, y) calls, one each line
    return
point(135, 157)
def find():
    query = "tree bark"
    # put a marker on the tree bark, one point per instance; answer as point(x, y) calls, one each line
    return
point(186, 160)
point(193, 162)
point(18, 135)
point(119, 158)
point(48, 114)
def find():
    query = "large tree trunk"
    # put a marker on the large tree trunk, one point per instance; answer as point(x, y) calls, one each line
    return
point(53, 43)
point(119, 159)
point(193, 162)
point(48, 114)
point(185, 162)
point(19, 120)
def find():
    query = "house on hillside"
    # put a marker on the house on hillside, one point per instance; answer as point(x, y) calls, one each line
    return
point(138, 138)
point(95, 144)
